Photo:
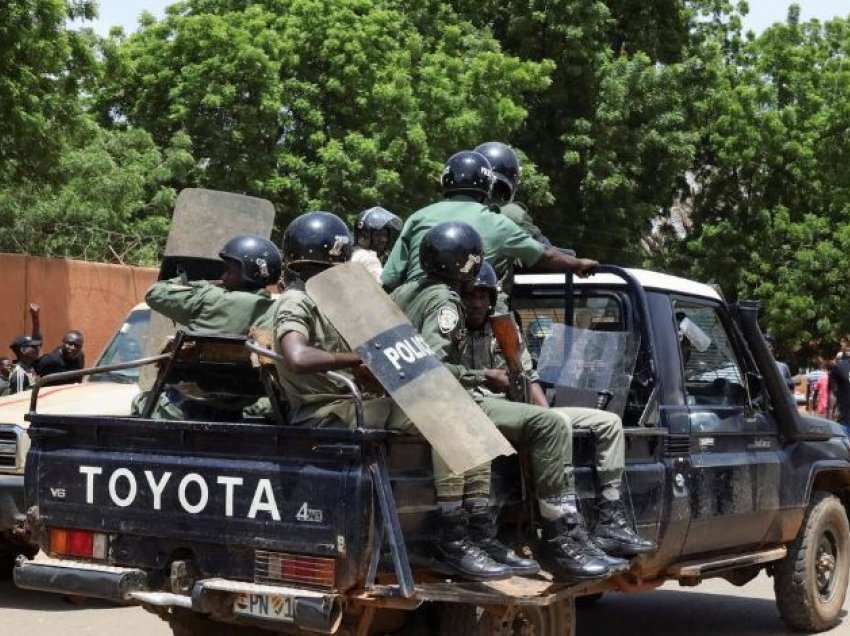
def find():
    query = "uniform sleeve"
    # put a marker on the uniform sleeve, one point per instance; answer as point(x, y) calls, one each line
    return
point(177, 301)
point(395, 268)
point(518, 244)
point(293, 312)
point(442, 328)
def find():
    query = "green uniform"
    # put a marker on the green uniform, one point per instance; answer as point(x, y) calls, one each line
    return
point(504, 241)
point(481, 351)
point(436, 311)
point(203, 307)
point(316, 398)
point(522, 217)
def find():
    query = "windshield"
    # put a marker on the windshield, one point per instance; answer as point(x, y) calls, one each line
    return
point(125, 346)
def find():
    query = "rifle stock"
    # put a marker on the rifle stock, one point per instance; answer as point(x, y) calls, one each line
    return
point(506, 332)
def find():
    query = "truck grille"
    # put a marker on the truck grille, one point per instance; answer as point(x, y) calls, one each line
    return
point(8, 448)
point(296, 569)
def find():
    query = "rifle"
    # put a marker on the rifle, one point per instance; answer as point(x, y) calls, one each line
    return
point(506, 332)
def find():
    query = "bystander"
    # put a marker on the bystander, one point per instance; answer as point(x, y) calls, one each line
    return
point(68, 356)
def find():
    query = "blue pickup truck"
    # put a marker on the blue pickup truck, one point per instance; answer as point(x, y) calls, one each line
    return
point(258, 526)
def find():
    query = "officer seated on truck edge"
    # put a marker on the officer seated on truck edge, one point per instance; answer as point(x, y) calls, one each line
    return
point(613, 532)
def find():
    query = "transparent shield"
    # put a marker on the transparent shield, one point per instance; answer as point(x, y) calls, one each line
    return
point(588, 367)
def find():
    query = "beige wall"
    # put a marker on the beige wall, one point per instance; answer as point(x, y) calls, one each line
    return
point(91, 297)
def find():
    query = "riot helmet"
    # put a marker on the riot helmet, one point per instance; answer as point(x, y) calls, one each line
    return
point(258, 259)
point(487, 279)
point(374, 220)
point(469, 173)
point(318, 238)
point(453, 251)
point(507, 169)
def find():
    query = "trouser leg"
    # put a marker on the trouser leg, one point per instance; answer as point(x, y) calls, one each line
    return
point(542, 432)
point(607, 430)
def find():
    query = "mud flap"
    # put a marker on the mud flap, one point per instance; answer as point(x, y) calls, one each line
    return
point(440, 408)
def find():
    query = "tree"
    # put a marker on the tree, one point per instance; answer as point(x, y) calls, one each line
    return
point(43, 67)
point(315, 104)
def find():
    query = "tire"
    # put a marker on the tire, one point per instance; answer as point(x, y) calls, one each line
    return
point(555, 619)
point(810, 583)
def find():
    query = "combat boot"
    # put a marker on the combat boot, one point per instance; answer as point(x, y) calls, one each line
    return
point(615, 535)
point(483, 532)
point(456, 554)
point(567, 553)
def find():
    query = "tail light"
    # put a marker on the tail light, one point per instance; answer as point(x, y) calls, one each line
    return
point(298, 569)
point(78, 543)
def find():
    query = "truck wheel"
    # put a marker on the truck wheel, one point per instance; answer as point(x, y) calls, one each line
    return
point(811, 581)
point(555, 619)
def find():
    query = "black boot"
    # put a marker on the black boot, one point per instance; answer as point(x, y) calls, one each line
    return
point(615, 534)
point(567, 553)
point(458, 555)
point(483, 532)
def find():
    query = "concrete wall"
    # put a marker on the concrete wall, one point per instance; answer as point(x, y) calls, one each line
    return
point(90, 297)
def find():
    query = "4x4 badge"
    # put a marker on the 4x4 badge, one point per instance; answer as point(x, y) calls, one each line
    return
point(305, 513)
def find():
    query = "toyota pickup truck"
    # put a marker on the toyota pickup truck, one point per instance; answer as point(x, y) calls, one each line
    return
point(104, 393)
point(226, 527)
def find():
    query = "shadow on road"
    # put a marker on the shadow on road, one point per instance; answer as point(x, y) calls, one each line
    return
point(14, 598)
point(671, 612)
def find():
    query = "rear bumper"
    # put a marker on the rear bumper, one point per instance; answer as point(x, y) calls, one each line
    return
point(313, 611)
point(12, 506)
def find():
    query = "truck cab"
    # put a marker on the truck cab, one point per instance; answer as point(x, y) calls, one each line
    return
point(292, 528)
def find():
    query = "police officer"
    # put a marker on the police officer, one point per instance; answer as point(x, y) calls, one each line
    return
point(613, 533)
point(229, 306)
point(373, 236)
point(466, 182)
point(507, 173)
point(310, 346)
point(450, 256)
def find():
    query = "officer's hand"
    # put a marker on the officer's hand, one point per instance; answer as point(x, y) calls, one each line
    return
point(497, 380)
point(584, 267)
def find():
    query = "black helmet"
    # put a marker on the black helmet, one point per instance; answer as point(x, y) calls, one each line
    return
point(374, 219)
point(452, 250)
point(507, 169)
point(487, 279)
point(467, 172)
point(258, 258)
point(316, 237)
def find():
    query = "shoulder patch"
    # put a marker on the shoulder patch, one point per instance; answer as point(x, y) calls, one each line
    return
point(447, 319)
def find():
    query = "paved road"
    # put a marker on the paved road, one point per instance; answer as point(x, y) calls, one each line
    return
point(716, 607)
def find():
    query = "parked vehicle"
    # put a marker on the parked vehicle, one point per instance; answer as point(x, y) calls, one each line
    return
point(104, 393)
point(231, 525)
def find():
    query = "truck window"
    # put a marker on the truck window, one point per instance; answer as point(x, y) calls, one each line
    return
point(126, 345)
point(711, 372)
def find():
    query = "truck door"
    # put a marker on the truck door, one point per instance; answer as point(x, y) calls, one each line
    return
point(733, 476)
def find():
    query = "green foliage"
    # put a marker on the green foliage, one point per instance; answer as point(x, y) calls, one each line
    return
point(316, 104)
point(43, 67)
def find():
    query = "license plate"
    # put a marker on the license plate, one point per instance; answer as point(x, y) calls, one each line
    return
point(276, 607)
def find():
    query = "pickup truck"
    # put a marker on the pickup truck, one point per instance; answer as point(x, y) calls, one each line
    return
point(227, 527)
point(105, 393)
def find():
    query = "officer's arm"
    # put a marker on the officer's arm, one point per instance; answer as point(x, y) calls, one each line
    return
point(554, 260)
point(441, 335)
point(175, 300)
point(300, 357)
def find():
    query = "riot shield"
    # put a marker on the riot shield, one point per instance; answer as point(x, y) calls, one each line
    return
point(440, 408)
point(202, 223)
